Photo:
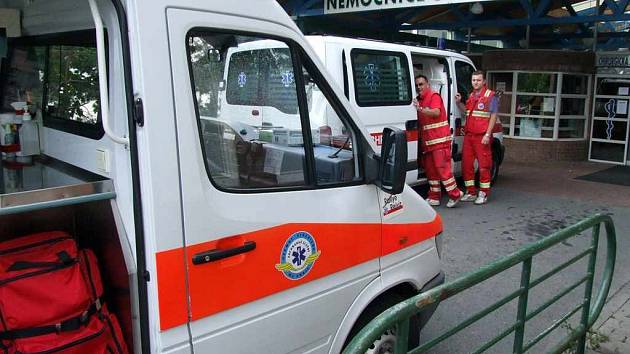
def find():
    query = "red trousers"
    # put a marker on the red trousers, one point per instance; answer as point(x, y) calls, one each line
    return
point(437, 167)
point(474, 149)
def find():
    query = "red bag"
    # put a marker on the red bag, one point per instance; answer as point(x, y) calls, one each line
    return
point(50, 298)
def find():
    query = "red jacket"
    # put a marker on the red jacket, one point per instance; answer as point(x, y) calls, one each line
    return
point(435, 132)
point(478, 112)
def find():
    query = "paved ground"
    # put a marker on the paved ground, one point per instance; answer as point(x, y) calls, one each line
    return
point(527, 204)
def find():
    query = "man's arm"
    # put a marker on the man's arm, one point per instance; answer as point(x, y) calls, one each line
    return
point(459, 103)
point(433, 110)
point(494, 108)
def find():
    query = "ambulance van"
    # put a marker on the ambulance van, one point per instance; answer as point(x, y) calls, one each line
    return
point(378, 79)
point(140, 213)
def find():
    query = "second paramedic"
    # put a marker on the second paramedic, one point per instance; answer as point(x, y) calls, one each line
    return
point(435, 146)
point(481, 115)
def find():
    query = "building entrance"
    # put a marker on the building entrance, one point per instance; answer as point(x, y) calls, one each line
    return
point(610, 126)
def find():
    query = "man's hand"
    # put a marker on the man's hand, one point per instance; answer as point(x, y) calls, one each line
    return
point(458, 97)
point(486, 139)
point(416, 104)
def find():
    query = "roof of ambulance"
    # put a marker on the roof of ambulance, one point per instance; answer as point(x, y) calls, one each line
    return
point(267, 10)
point(377, 44)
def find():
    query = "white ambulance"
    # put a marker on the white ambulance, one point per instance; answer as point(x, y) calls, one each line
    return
point(208, 240)
point(378, 80)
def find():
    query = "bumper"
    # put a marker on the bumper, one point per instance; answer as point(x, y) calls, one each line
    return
point(426, 314)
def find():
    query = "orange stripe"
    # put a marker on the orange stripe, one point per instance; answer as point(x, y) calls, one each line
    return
point(234, 281)
point(171, 280)
point(412, 135)
point(399, 236)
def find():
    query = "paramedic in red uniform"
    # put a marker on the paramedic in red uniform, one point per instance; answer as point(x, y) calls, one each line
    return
point(481, 114)
point(435, 143)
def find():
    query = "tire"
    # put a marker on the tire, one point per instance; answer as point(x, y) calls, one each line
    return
point(387, 340)
point(494, 171)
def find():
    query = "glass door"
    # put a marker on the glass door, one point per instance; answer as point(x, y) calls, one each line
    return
point(609, 129)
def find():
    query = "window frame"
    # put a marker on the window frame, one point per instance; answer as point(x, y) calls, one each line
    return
point(406, 75)
point(468, 84)
point(510, 127)
point(300, 60)
point(86, 38)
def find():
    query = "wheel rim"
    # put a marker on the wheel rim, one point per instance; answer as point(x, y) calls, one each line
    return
point(385, 344)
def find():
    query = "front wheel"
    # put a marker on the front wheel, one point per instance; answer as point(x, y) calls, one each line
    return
point(387, 341)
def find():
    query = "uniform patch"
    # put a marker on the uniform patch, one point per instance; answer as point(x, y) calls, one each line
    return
point(481, 105)
point(298, 255)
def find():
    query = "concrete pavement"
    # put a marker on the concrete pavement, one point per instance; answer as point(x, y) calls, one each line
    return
point(613, 325)
point(528, 203)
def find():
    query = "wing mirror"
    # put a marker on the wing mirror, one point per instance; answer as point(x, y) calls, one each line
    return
point(392, 165)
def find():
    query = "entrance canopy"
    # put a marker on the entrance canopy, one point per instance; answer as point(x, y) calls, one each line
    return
point(569, 24)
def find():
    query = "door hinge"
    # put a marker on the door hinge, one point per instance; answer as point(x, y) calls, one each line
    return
point(138, 113)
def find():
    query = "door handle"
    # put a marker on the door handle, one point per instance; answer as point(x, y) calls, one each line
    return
point(216, 254)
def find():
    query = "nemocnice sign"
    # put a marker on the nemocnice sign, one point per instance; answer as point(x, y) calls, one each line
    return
point(340, 6)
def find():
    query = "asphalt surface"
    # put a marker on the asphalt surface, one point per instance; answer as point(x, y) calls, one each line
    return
point(527, 203)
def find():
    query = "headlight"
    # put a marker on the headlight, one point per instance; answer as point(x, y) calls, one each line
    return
point(439, 244)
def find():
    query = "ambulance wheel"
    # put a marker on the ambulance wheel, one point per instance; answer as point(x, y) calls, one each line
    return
point(387, 341)
point(494, 171)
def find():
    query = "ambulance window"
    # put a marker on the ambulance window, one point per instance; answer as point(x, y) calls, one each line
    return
point(58, 75)
point(380, 78)
point(248, 117)
point(463, 72)
point(268, 71)
point(335, 159)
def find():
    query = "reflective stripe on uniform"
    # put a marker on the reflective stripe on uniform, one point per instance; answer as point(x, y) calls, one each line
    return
point(450, 187)
point(484, 185)
point(469, 183)
point(434, 182)
point(487, 94)
point(437, 141)
point(434, 189)
point(435, 125)
point(449, 181)
point(481, 114)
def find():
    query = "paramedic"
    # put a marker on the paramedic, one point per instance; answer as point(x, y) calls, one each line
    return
point(481, 114)
point(435, 147)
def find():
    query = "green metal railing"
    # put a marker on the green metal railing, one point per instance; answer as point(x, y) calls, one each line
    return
point(398, 316)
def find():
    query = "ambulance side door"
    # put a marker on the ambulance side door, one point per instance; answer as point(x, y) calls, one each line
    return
point(281, 235)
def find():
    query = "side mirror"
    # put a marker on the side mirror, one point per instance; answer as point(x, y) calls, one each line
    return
point(392, 171)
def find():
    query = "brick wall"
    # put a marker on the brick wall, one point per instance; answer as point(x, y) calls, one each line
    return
point(539, 60)
point(518, 150)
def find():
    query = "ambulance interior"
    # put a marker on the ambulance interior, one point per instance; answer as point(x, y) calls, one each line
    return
point(436, 70)
point(247, 96)
point(63, 174)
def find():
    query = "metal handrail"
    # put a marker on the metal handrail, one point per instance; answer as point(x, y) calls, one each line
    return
point(398, 315)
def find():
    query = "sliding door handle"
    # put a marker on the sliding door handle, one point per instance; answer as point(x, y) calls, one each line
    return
point(216, 254)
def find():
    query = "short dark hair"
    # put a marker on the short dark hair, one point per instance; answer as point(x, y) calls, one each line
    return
point(420, 76)
point(479, 72)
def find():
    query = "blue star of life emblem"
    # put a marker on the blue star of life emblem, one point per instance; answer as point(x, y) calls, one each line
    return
point(287, 78)
point(609, 107)
point(298, 255)
point(242, 79)
point(371, 76)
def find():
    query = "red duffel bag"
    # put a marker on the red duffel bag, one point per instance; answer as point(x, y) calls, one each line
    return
point(50, 298)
